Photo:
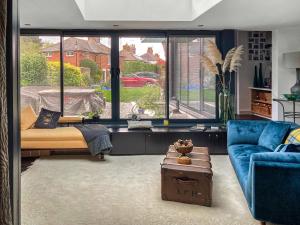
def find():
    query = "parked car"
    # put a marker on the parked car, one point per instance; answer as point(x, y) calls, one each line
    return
point(148, 75)
point(132, 80)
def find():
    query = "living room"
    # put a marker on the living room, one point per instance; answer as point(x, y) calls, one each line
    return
point(113, 114)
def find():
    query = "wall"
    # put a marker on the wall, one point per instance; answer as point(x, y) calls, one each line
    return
point(245, 75)
point(284, 40)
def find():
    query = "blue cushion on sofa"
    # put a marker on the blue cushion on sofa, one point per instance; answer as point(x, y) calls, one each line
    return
point(273, 135)
point(240, 157)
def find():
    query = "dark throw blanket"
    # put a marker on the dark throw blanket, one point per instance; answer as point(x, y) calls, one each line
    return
point(96, 136)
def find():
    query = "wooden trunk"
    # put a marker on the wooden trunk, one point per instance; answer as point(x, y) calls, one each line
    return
point(187, 183)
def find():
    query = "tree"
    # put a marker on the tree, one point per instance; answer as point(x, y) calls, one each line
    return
point(95, 75)
point(33, 69)
point(30, 45)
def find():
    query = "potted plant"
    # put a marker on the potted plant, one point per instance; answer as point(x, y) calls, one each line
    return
point(213, 62)
point(95, 115)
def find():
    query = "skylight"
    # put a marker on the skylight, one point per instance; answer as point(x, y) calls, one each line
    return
point(143, 10)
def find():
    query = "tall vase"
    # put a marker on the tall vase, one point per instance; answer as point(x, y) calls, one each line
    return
point(226, 109)
point(255, 80)
point(260, 76)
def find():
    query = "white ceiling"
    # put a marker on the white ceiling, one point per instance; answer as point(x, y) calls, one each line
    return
point(227, 14)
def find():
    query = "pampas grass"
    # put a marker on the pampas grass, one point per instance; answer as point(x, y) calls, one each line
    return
point(227, 61)
point(213, 58)
point(235, 62)
point(214, 52)
point(209, 65)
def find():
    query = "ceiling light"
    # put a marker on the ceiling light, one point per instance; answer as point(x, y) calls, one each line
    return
point(200, 25)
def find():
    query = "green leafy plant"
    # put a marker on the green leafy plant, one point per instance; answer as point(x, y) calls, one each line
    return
point(33, 69)
point(149, 98)
point(72, 75)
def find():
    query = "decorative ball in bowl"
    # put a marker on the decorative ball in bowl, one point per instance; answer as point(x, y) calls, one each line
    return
point(183, 146)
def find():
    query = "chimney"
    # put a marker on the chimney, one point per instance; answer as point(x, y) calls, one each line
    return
point(129, 48)
point(150, 50)
point(133, 49)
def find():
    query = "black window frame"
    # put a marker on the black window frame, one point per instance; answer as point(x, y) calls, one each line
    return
point(114, 57)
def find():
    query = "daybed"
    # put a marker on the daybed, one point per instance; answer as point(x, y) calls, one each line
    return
point(36, 142)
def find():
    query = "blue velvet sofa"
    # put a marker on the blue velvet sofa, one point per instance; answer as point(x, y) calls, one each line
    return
point(270, 180)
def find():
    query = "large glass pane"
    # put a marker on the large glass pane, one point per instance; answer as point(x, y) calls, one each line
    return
point(143, 77)
point(87, 80)
point(192, 89)
point(39, 79)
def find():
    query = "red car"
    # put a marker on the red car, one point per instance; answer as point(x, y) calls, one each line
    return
point(132, 80)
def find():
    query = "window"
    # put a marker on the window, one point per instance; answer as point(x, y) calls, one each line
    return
point(40, 75)
point(192, 89)
point(69, 53)
point(87, 89)
point(142, 78)
point(160, 77)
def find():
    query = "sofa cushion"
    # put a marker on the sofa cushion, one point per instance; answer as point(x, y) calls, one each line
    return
point(57, 134)
point(240, 157)
point(28, 118)
point(245, 131)
point(47, 119)
point(273, 134)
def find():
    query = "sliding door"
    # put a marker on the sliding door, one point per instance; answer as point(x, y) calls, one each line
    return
point(86, 77)
point(142, 77)
point(192, 89)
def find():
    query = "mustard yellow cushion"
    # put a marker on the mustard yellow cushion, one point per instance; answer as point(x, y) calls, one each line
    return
point(57, 134)
point(294, 137)
point(28, 118)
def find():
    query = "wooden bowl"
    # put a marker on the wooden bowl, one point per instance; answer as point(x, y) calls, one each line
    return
point(183, 149)
point(184, 160)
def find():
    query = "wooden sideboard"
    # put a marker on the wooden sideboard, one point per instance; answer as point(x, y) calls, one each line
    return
point(261, 102)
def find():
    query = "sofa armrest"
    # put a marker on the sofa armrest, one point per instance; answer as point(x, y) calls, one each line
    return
point(244, 131)
point(273, 189)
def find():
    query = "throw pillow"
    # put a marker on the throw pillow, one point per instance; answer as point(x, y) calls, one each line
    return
point(47, 119)
point(28, 117)
point(273, 135)
point(294, 137)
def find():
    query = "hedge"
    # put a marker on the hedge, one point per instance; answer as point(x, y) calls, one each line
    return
point(72, 75)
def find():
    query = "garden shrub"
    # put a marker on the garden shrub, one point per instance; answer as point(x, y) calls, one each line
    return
point(33, 69)
point(72, 75)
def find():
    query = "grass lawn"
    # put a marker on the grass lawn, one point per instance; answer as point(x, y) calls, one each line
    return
point(130, 94)
point(209, 95)
point(134, 94)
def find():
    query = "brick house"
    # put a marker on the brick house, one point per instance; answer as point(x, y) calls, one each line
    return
point(128, 53)
point(77, 49)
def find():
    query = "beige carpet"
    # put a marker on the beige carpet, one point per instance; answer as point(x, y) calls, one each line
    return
point(124, 190)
